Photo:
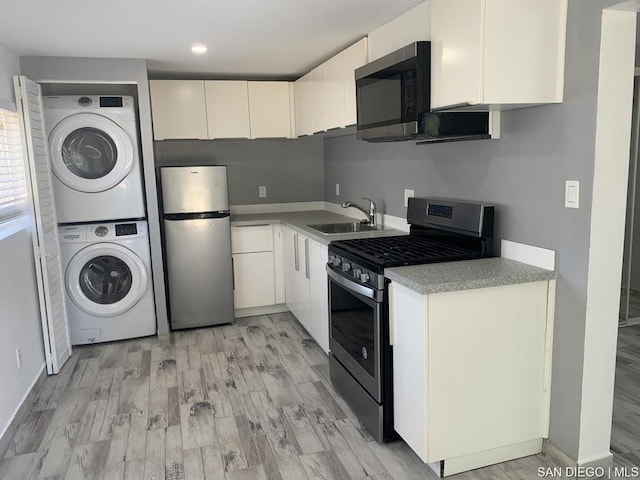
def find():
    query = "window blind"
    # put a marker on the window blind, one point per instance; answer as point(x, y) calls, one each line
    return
point(13, 184)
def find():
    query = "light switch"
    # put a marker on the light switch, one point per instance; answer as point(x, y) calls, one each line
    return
point(408, 193)
point(572, 194)
point(337, 189)
point(262, 191)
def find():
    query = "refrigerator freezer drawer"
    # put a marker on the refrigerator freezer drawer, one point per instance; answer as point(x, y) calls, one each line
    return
point(199, 272)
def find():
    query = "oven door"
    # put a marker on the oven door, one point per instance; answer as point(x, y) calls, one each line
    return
point(355, 321)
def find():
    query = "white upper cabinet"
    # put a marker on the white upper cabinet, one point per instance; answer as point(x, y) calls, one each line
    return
point(497, 54)
point(178, 109)
point(407, 28)
point(227, 108)
point(269, 109)
point(319, 98)
point(325, 98)
point(334, 90)
point(303, 106)
point(354, 57)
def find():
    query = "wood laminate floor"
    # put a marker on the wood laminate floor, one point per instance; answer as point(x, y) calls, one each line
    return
point(249, 401)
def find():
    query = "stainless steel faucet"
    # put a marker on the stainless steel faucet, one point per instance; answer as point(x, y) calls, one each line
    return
point(371, 213)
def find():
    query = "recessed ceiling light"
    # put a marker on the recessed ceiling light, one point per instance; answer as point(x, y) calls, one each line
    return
point(199, 49)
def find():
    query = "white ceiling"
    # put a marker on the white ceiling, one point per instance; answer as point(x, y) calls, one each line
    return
point(246, 38)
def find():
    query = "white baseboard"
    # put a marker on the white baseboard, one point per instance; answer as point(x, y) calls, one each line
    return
point(253, 311)
point(529, 254)
point(21, 411)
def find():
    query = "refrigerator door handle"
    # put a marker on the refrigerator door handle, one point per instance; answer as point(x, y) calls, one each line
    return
point(233, 273)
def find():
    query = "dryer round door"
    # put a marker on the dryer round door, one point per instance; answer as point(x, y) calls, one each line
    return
point(90, 153)
point(106, 279)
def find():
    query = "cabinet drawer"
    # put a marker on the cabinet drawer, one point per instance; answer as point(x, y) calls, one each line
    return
point(251, 238)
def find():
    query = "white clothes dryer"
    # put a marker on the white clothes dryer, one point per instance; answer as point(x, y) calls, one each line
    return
point(93, 145)
point(107, 276)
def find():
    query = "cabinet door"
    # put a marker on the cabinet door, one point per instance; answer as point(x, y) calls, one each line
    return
point(291, 261)
point(227, 108)
point(354, 57)
point(253, 279)
point(334, 88)
point(319, 295)
point(178, 109)
point(269, 109)
point(408, 327)
point(457, 40)
point(278, 263)
point(319, 98)
point(303, 299)
point(303, 106)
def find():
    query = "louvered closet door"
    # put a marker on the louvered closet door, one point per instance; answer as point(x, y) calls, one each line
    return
point(49, 274)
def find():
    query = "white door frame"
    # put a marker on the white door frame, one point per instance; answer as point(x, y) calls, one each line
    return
point(608, 213)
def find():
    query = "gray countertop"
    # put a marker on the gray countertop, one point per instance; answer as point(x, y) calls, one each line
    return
point(466, 275)
point(299, 221)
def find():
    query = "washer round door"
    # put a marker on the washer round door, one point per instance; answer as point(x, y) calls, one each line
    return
point(106, 279)
point(90, 153)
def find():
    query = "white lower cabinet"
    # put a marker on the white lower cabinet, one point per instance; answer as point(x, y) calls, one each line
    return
point(471, 372)
point(306, 283)
point(256, 272)
point(254, 279)
point(318, 294)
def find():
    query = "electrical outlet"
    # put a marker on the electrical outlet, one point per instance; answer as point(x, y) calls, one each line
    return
point(337, 189)
point(408, 193)
point(19, 357)
point(262, 191)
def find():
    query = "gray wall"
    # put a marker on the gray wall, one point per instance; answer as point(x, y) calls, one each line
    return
point(9, 66)
point(292, 170)
point(524, 174)
point(125, 72)
point(19, 308)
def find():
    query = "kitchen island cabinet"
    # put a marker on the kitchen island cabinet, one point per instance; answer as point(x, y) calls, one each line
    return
point(471, 360)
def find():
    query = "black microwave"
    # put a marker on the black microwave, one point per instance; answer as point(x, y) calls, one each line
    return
point(393, 102)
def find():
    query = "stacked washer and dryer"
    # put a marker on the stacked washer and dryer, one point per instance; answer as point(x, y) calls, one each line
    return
point(99, 197)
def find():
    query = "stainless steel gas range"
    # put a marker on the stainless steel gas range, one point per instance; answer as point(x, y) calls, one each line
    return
point(361, 357)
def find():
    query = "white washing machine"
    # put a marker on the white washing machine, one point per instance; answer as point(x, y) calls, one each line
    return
point(107, 276)
point(93, 144)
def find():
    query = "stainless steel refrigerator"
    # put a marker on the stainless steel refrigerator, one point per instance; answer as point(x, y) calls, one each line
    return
point(197, 239)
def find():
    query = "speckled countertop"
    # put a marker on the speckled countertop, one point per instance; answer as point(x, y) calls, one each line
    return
point(466, 275)
point(299, 221)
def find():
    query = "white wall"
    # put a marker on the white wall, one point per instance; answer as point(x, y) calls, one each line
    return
point(19, 311)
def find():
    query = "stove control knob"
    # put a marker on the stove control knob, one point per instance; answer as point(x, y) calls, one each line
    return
point(364, 277)
point(332, 258)
point(346, 267)
point(337, 261)
point(357, 272)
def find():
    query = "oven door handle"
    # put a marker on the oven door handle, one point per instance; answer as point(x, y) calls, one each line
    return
point(352, 286)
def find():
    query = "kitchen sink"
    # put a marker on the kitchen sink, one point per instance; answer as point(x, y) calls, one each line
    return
point(354, 227)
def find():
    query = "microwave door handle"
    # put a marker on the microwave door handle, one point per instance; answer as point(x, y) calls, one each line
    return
point(352, 286)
